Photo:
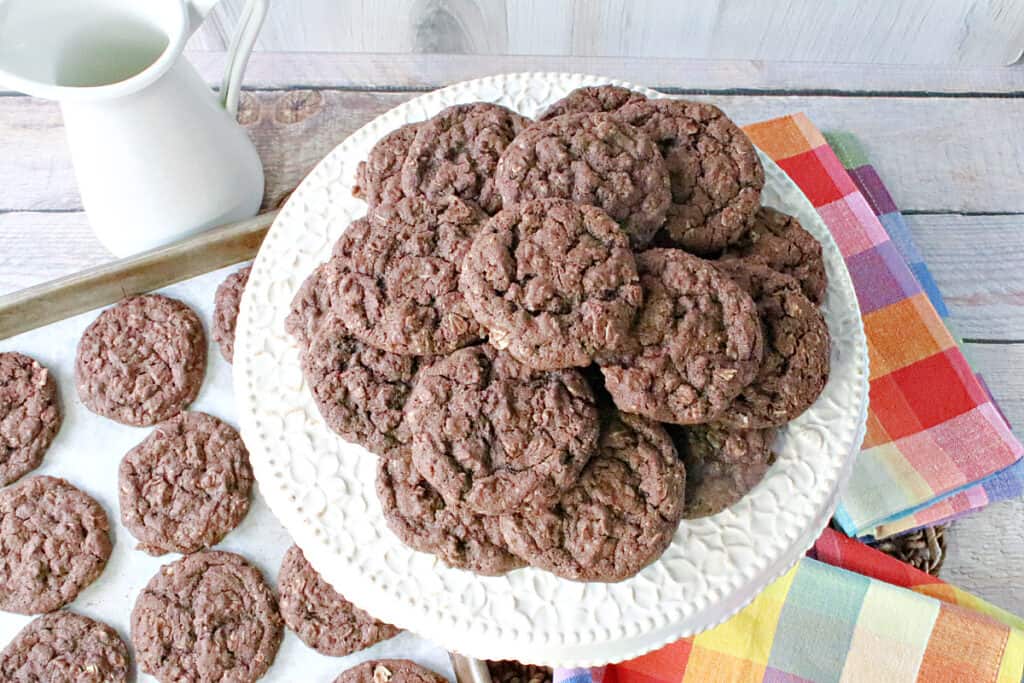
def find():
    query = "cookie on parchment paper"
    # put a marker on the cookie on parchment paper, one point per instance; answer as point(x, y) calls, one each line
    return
point(64, 647)
point(30, 414)
point(225, 311)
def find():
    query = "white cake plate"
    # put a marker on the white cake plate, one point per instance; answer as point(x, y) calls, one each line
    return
point(322, 488)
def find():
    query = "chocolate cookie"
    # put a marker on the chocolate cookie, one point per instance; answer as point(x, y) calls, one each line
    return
point(379, 178)
point(494, 434)
point(697, 342)
point(64, 647)
point(722, 464)
point(618, 518)
point(225, 311)
point(360, 391)
point(780, 242)
point(30, 415)
point(455, 153)
point(593, 98)
point(796, 349)
point(54, 541)
point(311, 305)
point(389, 671)
point(421, 519)
point(207, 617)
point(186, 485)
point(398, 284)
point(141, 361)
point(591, 159)
point(319, 615)
point(553, 282)
point(716, 176)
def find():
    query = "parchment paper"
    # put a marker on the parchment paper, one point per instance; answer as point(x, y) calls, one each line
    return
point(87, 452)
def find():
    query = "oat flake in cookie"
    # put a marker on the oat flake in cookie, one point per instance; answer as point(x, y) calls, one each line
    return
point(64, 647)
point(722, 464)
point(493, 434)
point(796, 349)
point(594, 98)
point(780, 242)
point(697, 342)
point(186, 485)
point(618, 518)
point(319, 615)
point(207, 617)
point(225, 311)
point(421, 519)
point(716, 176)
point(141, 361)
point(54, 541)
point(30, 415)
point(593, 159)
point(553, 282)
point(379, 178)
point(455, 153)
point(389, 671)
point(398, 284)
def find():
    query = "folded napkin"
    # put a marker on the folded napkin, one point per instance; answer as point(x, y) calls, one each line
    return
point(933, 430)
point(852, 614)
point(1005, 484)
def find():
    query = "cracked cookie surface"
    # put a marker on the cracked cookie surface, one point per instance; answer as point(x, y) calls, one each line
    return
point(595, 98)
point(593, 159)
point(493, 434)
point(696, 342)
point(186, 485)
point(552, 282)
point(64, 647)
point(379, 177)
point(30, 415)
point(225, 310)
point(722, 464)
point(389, 671)
point(621, 514)
point(715, 174)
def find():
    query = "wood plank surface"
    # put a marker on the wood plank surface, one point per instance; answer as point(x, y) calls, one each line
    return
point(936, 154)
point(870, 31)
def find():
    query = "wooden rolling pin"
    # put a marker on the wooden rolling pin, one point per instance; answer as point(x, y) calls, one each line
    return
point(67, 296)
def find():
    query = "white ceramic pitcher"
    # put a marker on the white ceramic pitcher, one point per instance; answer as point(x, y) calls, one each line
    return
point(157, 154)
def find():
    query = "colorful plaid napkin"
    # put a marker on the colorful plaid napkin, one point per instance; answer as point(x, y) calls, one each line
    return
point(1005, 484)
point(933, 430)
point(852, 614)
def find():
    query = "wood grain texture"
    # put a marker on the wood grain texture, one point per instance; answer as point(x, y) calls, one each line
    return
point(870, 31)
point(936, 154)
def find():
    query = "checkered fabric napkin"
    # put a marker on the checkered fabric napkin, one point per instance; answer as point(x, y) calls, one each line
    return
point(826, 621)
point(933, 430)
point(1005, 484)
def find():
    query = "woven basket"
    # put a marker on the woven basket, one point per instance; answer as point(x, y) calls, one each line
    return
point(924, 548)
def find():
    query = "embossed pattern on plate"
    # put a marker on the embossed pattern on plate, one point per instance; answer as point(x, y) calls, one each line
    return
point(322, 488)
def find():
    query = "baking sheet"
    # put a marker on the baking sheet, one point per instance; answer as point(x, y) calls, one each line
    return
point(87, 452)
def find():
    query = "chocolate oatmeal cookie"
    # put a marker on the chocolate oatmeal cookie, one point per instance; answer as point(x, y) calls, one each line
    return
point(398, 284)
point(620, 515)
point(225, 311)
point(722, 464)
point(421, 519)
point(780, 242)
point(311, 305)
point(30, 415)
point(494, 434)
point(141, 361)
point(593, 159)
point(379, 178)
point(697, 342)
point(593, 98)
point(64, 647)
point(319, 615)
point(186, 485)
point(207, 617)
point(796, 349)
point(389, 671)
point(455, 153)
point(716, 176)
point(54, 541)
point(360, 391)
point(553, 282)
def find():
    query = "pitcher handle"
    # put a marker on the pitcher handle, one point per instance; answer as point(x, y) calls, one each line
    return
point(253, 14)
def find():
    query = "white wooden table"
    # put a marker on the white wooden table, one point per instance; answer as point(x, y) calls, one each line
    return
point(948, 142)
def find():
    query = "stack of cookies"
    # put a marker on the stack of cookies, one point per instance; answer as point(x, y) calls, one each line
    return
point(563, 336)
